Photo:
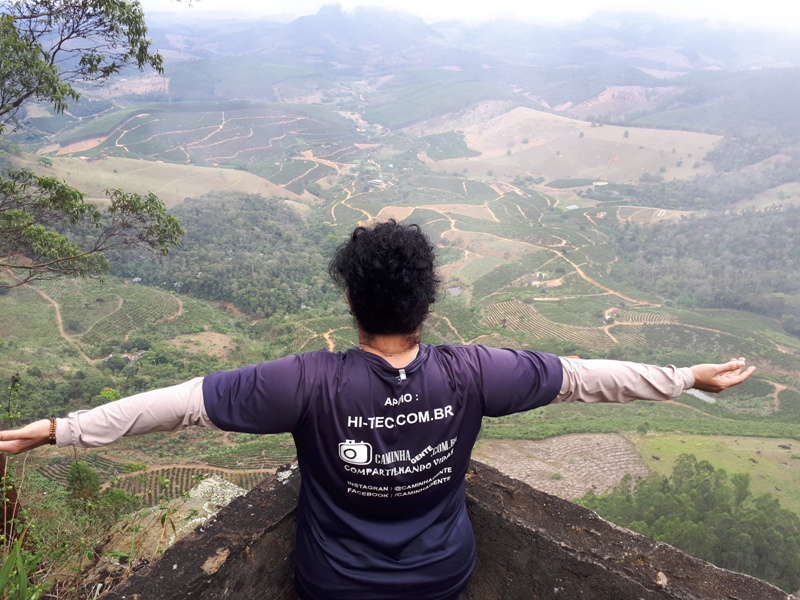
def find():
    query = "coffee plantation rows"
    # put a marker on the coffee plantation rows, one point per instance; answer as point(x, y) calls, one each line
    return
point(172, 482)
point(58, 468)
point(518, 316)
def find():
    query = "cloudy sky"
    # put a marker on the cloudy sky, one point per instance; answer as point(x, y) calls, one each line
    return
point(768, 14)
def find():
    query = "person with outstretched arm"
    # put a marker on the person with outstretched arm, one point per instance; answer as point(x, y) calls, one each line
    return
point(383, 431)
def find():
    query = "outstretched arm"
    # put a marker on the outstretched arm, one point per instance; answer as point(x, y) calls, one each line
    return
point(166, 409)
point(619, 381)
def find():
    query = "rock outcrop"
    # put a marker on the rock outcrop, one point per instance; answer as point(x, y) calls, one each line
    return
point(531, 545)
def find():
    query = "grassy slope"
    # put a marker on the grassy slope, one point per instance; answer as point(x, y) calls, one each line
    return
point(554, 148)
point(170, 182)
point(771, 468)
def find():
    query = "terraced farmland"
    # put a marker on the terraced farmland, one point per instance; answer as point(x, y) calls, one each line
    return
point(210, 135)
point(518, 316)
point(629, 335)
point(171, 482)
point(646, 317)
point(57, 470)
point(141, 305)
point(264, 453)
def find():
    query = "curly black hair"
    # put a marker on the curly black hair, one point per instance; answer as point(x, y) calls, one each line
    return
point(388, 273)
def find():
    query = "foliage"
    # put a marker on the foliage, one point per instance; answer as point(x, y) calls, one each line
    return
point(45, 46)
point(739, 152)
point(713, 191)
point(39, 216)
point(735, 101)
point(702, 261)
point(569, 183)
point(23, 74)
point(702, 511)
point(254, 252)
point(83, 482)
point(15, 570)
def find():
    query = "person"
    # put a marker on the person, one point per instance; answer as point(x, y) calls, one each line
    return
point(383, 431)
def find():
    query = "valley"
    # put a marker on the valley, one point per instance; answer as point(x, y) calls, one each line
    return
point(616, 208)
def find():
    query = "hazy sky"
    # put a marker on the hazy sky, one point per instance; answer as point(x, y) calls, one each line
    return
point(771, 14)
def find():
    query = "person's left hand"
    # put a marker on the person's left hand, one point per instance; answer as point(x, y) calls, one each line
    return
point(715, 378)
point(26, 438)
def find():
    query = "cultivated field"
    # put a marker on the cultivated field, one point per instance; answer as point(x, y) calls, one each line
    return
point(524, 260)
point(518, 316)
point(567, 466)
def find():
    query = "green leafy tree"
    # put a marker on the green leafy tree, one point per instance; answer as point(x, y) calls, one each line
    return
point(46, 45)
point(110, 394)
point(702, 511)
point(83, 482)
point(47, 229)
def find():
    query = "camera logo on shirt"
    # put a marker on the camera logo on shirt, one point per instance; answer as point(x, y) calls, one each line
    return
point(355, 453)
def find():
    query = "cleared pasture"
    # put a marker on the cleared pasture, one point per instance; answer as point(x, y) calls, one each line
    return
point(26, 317)
point(550, 146)
point(172, 183)
point(206, 342)
point(772, 469)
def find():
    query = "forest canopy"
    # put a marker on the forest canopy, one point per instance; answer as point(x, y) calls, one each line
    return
point(708, 514)
point(723, 260)
point(254, 252)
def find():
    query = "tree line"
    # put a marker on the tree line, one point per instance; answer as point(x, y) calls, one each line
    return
point(746, 261)
point(253, 252)
point(712, 516)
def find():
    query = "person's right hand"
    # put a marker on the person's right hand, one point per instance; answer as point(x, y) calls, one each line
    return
point(715, 378)
point(26, 438)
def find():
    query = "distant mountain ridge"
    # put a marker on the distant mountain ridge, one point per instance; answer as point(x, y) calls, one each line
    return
point(360, 37)
point(633, 68)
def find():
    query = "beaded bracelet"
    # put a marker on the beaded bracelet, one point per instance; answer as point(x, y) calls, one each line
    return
point(52, 438)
